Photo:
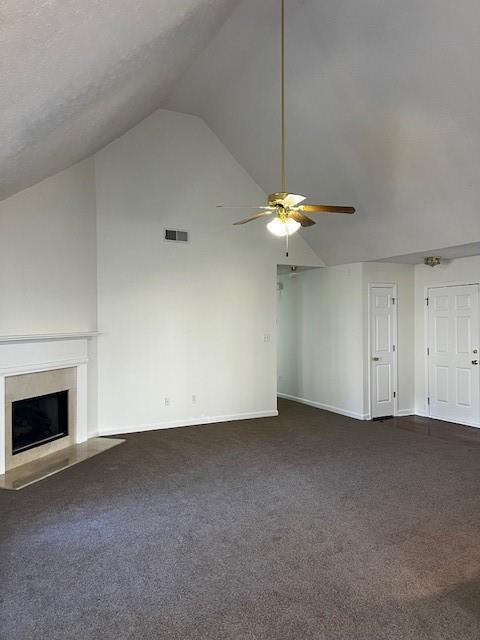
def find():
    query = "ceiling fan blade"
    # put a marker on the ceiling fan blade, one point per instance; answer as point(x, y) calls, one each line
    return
point(305, 221)
point(243, 206)
point(291, 199)
point(258, 215)
point(325, 208)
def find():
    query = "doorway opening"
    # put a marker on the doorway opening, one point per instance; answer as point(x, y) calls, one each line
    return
point(292, 336)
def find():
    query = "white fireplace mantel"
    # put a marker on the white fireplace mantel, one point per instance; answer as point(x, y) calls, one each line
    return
point(39, 337)
point(43, 352)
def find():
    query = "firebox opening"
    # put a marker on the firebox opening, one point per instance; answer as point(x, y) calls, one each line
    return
point(36, 421)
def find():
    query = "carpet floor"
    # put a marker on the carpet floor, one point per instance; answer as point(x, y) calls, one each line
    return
point(306, 526)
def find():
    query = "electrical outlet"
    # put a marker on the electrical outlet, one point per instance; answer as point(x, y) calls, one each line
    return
point(194, 399)
point(167, 402)
point(266, 337)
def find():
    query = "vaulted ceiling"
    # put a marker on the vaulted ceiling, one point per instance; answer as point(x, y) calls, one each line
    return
point(75, 74)
point(382, 112)
point(382, 101)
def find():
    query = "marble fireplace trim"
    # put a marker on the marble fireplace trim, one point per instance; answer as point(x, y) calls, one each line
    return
point(31, 354)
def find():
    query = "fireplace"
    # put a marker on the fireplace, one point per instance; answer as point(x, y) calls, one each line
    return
point(32, 367)
point(40, 414)
point(39, 420)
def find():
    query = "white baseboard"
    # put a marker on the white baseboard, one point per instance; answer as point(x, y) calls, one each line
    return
point(424, 414)
point(190, 422)
point(325, 407)
point(405, 412)
point(465, 423)
point(421, 413)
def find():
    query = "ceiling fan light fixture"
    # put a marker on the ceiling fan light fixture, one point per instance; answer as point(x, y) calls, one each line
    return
point(282, 228)
point(288, 207)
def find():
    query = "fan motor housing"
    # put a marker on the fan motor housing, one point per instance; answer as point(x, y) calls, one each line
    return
point(277, 199)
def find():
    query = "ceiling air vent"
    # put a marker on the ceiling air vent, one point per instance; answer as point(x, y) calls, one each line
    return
point(175, 235)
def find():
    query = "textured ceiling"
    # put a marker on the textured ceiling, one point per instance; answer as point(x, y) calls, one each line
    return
point(383, 113)
point(382, 101)
point(76, 74)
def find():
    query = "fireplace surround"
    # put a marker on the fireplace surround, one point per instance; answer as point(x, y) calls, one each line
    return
point(34, 367)
point(40, 414)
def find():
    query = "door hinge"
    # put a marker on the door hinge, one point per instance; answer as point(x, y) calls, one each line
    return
point(428, 351)
point(393, 300)
point(394, 394)
point(428, 400)
point(427, 301)
point(394, 347)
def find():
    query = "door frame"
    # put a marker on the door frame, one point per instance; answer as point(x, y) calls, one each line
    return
point(426, 289)
point(372, 285)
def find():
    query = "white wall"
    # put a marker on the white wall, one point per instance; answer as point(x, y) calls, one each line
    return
point(178, 320)
point(48, 255)
point(323, 324)
point(48, 263)
point(182, 320)
point(462, 270)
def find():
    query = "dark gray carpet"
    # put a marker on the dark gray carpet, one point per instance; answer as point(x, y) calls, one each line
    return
point(309, 525)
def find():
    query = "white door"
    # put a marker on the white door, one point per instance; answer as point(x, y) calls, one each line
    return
point(382, 346)
point(452, 353)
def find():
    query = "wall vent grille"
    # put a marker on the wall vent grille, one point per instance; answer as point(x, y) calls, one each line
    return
point(175, 235)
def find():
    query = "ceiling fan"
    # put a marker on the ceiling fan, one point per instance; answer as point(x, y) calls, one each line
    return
point(287, 207)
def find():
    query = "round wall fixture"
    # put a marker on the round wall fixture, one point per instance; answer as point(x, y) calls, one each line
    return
point(432, 261)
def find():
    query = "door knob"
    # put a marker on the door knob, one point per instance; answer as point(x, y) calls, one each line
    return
point(375, 359)
point(474, 361)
